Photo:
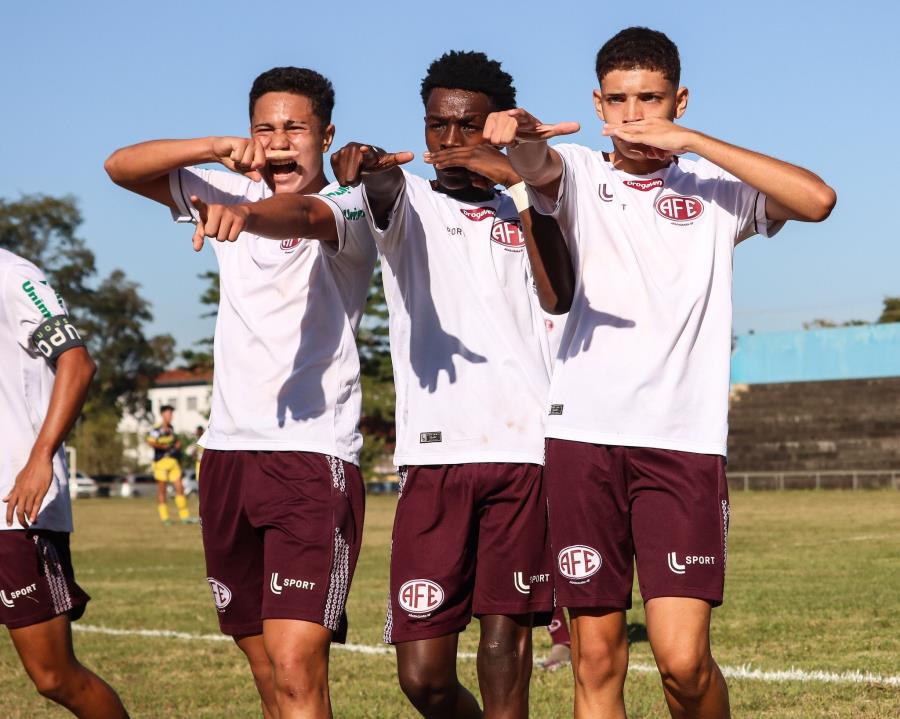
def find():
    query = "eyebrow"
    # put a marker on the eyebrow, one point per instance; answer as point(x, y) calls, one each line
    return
point(454, 118)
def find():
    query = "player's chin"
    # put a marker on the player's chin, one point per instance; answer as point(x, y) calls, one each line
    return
point(454, 178)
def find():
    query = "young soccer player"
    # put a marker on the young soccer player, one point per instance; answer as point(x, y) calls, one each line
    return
point(639, 398)
point(166, 467)
point(282, 497)
point(469, 350)
point(45, 378)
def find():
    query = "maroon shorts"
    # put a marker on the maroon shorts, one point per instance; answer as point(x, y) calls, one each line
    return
point(610, 506)
point(37, 581)
point(468, 539)
point(281, 534)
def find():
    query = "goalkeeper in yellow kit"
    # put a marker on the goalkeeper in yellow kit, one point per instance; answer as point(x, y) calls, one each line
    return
point(166, 467)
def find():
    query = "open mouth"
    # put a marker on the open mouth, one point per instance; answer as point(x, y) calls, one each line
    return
point(282, 167)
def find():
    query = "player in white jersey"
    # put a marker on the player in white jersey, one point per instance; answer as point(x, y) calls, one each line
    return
point(282, 498)
point(639, 398)
point(46, 374)
point(470, 361)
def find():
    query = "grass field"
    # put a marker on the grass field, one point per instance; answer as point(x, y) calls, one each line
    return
point(813, 584)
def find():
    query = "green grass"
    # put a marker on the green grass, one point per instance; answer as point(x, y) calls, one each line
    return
point(813, 583)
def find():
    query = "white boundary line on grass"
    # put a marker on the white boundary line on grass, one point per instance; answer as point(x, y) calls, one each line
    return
point(741, 672)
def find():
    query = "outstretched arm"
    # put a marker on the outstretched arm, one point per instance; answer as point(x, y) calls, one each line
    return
point(530, 155)
point(144, 168)
point(379, 172)
point(548, 253)
point(792, 192)
point(279, 217)
point(74, 371)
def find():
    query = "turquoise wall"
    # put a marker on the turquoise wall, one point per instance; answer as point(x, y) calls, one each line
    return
point(812, 355)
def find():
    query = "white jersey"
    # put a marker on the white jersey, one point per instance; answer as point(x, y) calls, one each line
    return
point(286, 374)
point(645, 358)
point(468, 343)
point(555, 326)
point(26, 383)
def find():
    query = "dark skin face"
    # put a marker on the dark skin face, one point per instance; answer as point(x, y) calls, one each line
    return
point(455, 118)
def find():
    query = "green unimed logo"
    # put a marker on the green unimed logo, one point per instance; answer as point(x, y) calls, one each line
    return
point(354, 214)
point(339, 191)
point(32, 295)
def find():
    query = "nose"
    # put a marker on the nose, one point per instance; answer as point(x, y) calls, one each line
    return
point(452, 137)
point(633, 110)
point(278, 140)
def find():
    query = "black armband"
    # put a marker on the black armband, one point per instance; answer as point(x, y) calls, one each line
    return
point(54, 336)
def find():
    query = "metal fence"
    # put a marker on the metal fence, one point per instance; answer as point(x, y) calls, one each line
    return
point(829, 479)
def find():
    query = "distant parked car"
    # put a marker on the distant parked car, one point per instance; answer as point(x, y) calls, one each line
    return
point(85, 486)
point(109, 485)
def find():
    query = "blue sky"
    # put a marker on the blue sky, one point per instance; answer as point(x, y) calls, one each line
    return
point(812, 83)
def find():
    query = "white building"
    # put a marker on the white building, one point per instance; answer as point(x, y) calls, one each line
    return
point(188, 392)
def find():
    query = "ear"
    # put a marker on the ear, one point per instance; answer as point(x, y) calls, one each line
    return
point(327, 138)
point(598, 104)
point(681, 101)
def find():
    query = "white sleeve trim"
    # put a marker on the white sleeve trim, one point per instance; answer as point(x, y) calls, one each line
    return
point(340, 224)
point(761, 223)
point(183, 210)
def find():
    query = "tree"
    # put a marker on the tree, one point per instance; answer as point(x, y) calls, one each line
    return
point(201, 358)
point(891, 310)
point(824, 324)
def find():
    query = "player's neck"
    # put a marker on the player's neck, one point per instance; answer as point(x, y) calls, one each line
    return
point(635, 167)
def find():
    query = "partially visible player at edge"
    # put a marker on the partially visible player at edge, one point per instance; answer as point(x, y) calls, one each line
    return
point(282, 498)
point(639, 397)
point(166, 465)
point(46, 374)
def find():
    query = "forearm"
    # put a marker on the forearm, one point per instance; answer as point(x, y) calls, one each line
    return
point(283, 217)
point(382, 190)
point(538, 165)
point(802, 194)
point(148, 161)
point(74, 372)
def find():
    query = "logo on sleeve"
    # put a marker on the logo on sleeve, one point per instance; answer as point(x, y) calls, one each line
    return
point(680, 209)
point(644, 185)
point(509, 234)
point(579, 562)
point(477, 214)
point(420, 596)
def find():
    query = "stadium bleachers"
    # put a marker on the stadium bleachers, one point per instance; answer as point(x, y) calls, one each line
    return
point(825, 426)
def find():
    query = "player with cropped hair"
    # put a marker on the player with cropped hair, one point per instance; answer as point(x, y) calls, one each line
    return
point(282, 498)
point(638, 404)
point(167, 467)
point(46, 375)
point(469, 349)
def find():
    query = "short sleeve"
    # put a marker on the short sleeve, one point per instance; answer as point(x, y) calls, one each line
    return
point(388, 237)
point(746, 203)
point(560, 208)
point(31, 302)
point(347, 204)
point(211, 186)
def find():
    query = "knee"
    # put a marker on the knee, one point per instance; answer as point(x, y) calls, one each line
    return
point(686, 674)
point(297, 677)
point(598, 665)
point(58, 685)
point(427, 689)
point(506, 655)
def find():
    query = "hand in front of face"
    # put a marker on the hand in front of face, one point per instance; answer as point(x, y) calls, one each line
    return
point(31, 485)
point(247, 155)
point(354, 160)
point(220, 222)
point(657, 138)
point(486, 163)
point(510, 127)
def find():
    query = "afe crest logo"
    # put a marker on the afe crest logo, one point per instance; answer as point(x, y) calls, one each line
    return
point(508, 233)
point(221, 593)
point(579, 562)
point(680, 209)
point(420, 596)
